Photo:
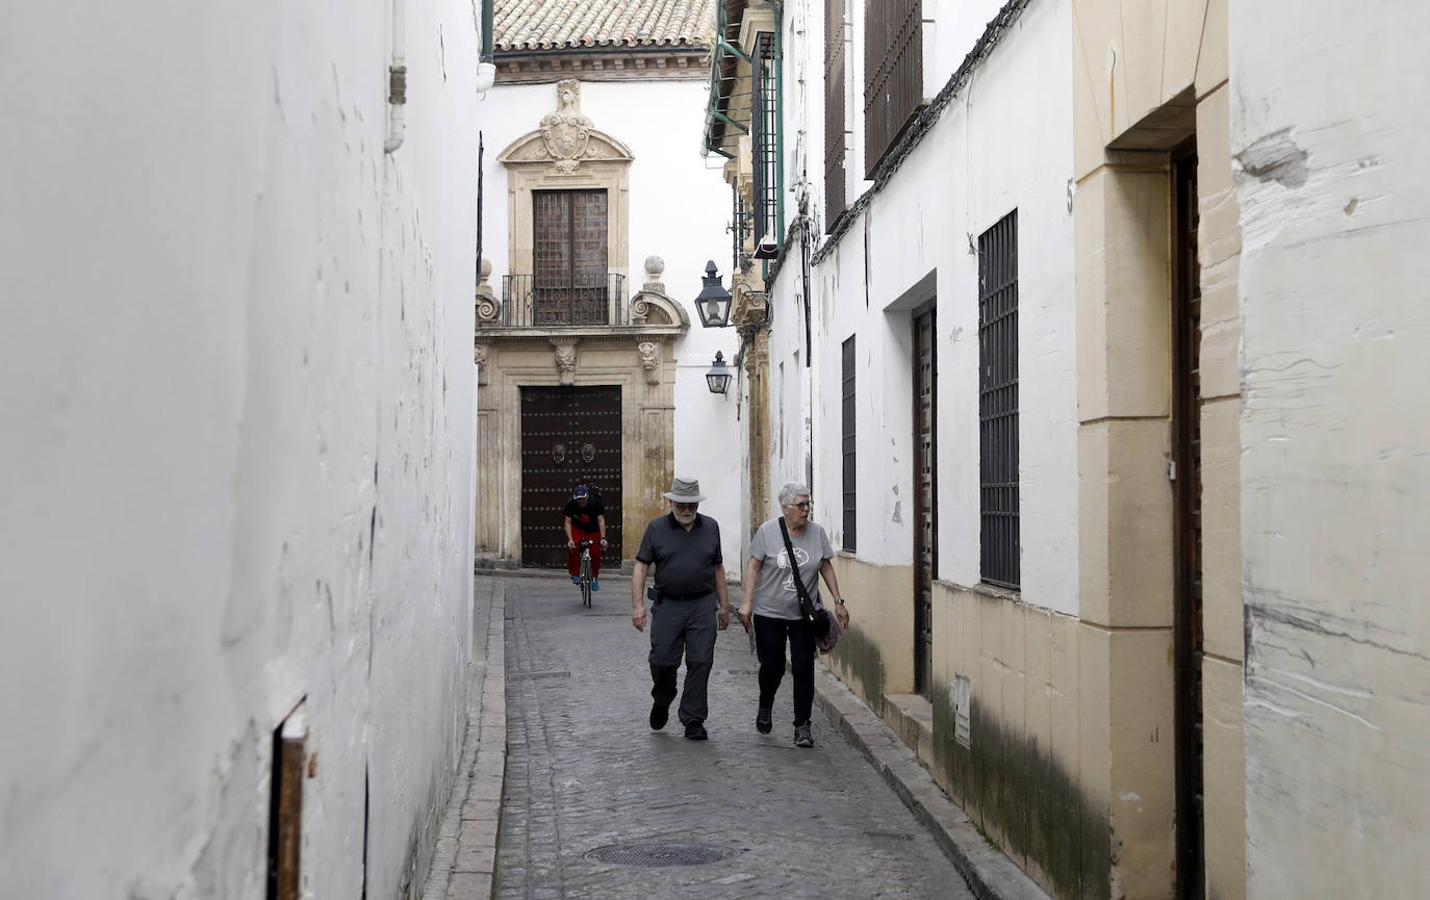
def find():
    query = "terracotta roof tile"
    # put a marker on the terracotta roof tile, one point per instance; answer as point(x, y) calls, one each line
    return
point(526, 25)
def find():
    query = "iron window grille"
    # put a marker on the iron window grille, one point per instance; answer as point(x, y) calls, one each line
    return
point(893, 73)
point(998, 402)
point(741, 220)
point(764, 120)
point(593, 298)
point(835, 189)
point(848, 444)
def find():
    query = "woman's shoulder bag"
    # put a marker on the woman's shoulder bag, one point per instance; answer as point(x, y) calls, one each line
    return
point(826, 627)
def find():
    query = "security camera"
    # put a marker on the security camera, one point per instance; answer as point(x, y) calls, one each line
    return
point(767, 247)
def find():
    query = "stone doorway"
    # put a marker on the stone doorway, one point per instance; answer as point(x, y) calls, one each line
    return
point(625, 370)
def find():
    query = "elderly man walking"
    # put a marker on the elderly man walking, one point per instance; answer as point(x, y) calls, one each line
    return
point(689, 602)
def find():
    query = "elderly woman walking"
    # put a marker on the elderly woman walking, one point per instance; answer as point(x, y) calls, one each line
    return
point(771, 605)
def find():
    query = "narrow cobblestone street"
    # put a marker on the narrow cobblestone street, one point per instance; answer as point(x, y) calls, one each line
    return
point(584, 771)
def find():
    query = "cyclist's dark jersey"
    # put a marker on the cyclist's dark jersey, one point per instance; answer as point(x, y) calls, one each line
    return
point(584, 519)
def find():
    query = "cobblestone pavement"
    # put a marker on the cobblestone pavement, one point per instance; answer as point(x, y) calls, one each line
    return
point(584, 771)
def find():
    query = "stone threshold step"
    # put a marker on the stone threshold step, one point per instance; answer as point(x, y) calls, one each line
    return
point(911, 718)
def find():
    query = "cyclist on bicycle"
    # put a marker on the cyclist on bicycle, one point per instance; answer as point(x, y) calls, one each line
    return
point(585, 520)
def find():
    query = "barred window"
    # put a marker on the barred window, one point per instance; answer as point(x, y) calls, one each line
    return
point(570, 284)
point(998, 401)
point(848, 442)
point(740, 222)
point(893, 73)
point(764, 134)
point(834, 184)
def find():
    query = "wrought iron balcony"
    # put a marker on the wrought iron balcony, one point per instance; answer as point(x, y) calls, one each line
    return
point(532, 301)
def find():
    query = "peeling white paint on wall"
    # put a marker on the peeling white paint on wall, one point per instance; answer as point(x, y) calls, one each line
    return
point(240, 404)
point(1335, 200)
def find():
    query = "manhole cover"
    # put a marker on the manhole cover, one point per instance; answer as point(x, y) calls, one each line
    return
point(661, 854)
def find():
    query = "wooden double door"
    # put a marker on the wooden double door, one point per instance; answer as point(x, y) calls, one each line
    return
point(569, 436)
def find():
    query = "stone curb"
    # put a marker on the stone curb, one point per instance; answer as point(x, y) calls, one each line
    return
point(990, 874)
point(464, 863)
point(548, 574)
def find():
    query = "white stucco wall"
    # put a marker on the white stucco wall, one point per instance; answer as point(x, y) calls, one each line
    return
point(679, 208)
point(1335, 214)
point(956, 26)
point(1005, 143)
point(239, 397)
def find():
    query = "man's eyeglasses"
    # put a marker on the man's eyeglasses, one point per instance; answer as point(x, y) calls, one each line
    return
point(685, 507)
point(806, 505)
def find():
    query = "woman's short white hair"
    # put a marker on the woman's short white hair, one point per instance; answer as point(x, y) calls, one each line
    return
point(791, 492)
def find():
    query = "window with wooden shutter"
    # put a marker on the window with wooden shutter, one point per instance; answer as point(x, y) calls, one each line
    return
point(893, 73)
point(835, 188)
point(570, 284)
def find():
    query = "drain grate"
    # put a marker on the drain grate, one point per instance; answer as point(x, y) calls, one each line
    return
point(659, 855)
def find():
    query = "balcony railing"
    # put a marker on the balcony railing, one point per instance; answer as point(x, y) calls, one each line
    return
point(541, 302)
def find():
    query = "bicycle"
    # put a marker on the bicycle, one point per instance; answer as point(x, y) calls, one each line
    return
point(586, 573)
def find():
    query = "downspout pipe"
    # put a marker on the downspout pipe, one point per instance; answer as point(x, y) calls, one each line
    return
point(397, 81)
point(486, 31)
point(486, 64)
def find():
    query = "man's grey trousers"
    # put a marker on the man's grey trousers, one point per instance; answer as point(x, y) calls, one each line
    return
point(688, 627)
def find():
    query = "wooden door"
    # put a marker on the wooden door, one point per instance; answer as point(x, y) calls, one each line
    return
point(569, 436)
point(925, 515)
point(1186, 474)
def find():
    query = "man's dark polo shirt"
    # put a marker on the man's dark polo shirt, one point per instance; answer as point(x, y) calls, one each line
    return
point(685, 561)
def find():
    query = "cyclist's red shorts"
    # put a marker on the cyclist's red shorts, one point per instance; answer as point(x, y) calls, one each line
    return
point(573, 557)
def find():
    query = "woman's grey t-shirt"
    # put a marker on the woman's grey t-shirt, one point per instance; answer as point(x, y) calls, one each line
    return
point(775, 593)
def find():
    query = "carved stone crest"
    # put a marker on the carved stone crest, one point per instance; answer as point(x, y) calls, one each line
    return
point(566, 133)
point(566, 139)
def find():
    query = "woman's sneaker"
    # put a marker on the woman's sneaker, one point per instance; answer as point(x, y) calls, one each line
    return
point(763, 721)
point(802, 736)
point(595, 584)
point(575, 579)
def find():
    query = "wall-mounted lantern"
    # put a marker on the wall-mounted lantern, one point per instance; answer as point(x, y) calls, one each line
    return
point(718, 378)
point(713, 304)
